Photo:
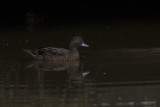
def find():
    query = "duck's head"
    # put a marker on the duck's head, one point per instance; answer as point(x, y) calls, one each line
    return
point(77, 42)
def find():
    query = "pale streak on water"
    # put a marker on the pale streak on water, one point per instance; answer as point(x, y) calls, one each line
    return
point(108, 77)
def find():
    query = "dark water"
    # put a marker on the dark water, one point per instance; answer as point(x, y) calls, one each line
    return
point(120, 69)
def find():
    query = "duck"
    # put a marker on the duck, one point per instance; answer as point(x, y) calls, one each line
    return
point(58, 54)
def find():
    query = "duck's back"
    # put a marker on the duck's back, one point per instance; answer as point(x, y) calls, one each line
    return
point(52, 51)
point(54, 54)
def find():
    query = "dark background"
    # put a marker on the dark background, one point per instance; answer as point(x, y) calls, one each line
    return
point(78, 10)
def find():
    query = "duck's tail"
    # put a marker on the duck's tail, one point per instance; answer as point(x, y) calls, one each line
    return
point(29, 52)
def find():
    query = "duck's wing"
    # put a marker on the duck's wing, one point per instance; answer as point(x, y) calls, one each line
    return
point(52, 51)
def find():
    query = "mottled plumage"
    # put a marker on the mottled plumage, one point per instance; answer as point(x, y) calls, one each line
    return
point(58, 54)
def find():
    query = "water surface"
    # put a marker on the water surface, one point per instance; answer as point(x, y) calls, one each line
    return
point(121, 67)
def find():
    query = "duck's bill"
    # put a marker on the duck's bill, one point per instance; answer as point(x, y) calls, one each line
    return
point(85, 45)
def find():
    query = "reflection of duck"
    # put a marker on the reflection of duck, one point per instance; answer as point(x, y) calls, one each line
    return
point(72, 68)
point(54, 66)
point(58, 54)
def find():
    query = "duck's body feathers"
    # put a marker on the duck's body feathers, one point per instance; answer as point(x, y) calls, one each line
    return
point(58, 54)
point(52, 54)
point(52, 51)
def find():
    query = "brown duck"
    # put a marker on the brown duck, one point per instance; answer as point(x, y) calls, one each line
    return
point(58, 54)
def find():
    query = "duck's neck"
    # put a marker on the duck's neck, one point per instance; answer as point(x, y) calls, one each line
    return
point(73, 50)
point(74, 54)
